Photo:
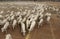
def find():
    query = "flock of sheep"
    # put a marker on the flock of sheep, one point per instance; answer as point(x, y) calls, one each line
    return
point(26, 18)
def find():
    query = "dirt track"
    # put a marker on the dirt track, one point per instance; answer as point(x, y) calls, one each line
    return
point(44, 32)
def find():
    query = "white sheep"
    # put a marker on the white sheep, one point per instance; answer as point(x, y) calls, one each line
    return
point(4, 21)
point(12, 17)
point(32, 26)
point(26, 10)
point(48, 16)
point(36, 17)
point(40, 22)
point(8, 36)
point(14, 23)
point(57, 9)
point(2, 12)
point(23, 28)
point(24, 19)
point(1, 16)
point(18, 8)
point(53, 8)
point(8, 18)
point(11, 13)
point(29, 20)
point(41, 16)
point(27, 23)
point(6, 25)
point(46, 8)
point(28, 14)
point(24, 13)
point(18, 13)
point(42, 10)
point(19, 19)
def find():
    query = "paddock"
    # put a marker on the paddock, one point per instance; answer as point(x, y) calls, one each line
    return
point(45, 32)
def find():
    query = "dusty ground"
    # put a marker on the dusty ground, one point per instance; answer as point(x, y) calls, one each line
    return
point(45, 32)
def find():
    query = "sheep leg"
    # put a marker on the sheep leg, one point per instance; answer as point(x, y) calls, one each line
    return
point(23, 33)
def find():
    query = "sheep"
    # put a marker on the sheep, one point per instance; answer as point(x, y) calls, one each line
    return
point(2, 12)
point(26, 10)
point(24, 19)
point(48, 14)
point(32, 26)
point(27, 14)
point(41, 16)
point(36, 17)
point(6, 25)
point(48, 17)
point(42, 10)
point(1, 16)
point(12, 17)
point(31, 17)
point(50, 8)
point(19, 19)
point(27, 23)
point(18, 8)
point(8, 36)
point(53, 8)
point(23, 28)
point(57, 9)
point(4, 21)
point(8, 18)
point(46, 8)
point(18, 13)
point(24, 13)
point(40, 22)
point(29, 20)
point(14, 23)
point(11, 13)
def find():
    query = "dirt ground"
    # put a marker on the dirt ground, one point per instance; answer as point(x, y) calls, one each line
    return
point(45, 32)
